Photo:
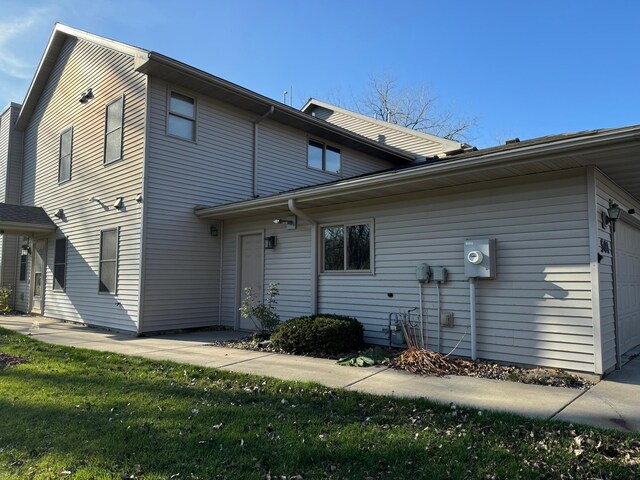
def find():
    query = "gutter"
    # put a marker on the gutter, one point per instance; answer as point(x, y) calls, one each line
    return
point(255, 150)
point(440, 169)
point(291, 203)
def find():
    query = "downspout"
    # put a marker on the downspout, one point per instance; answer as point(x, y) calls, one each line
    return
point(291, 203)
point(255, 150)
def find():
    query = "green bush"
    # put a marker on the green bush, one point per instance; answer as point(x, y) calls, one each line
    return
point(330, 334)
point(5, 296)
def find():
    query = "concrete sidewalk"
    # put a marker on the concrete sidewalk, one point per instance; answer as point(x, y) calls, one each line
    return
point(612, 403)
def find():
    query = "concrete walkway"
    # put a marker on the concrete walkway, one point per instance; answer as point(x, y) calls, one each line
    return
point(612, 403)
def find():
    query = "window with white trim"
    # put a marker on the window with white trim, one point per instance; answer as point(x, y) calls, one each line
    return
point(181, 120)
point(108, 261)
point(60, 264)
point(346, 247)
point(324, 157)
point(64, 158)
point(113, 131)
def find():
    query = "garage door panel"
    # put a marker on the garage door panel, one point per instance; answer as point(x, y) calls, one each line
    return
point(628, 284)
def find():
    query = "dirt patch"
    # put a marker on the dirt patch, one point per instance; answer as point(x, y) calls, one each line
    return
point(7, 360)
point(426, 362)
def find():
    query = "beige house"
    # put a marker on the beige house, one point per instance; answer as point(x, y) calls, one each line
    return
point(142, 194)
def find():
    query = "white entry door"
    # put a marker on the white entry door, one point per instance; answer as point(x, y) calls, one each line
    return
point(628, 285)
point(251, 275)
point(39, 261)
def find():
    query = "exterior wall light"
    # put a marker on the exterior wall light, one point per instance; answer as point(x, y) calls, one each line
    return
point(614, 212)
point(270, 242)
point(291, 222)
point(119, 203)
point(59, 213)
point(86, 96)
point(26, 249)
point(213, 231)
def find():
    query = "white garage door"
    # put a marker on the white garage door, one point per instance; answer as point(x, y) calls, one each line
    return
point(628, 284)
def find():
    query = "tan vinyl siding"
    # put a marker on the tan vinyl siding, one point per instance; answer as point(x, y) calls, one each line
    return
point(182, 260)
point(282, 165)
point(80, 65)
point(380, 133)
point(606, 189)
point(10, 174)
point(538, 309)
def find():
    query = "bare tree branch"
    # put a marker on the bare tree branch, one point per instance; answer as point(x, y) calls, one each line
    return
point(412, 108)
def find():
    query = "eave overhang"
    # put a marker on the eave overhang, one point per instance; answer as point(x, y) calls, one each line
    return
point(24, 220)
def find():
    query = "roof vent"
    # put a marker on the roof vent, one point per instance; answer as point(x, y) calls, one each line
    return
point(512, 141)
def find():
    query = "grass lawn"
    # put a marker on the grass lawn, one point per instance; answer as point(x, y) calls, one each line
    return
point(73, 413)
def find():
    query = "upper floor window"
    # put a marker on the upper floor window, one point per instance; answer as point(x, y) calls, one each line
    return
point(181, 120)
point(346, 247)
point(113, 131)
point(108, 260)
point(64, 159)
point(324, 157)
point(60, 264)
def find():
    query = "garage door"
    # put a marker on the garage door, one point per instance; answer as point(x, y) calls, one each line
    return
point(628, 284)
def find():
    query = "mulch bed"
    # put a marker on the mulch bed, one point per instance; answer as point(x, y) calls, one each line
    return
point(7, 360)
point(426, 362)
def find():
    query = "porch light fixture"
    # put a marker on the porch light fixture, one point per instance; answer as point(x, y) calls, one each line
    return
point(86, 96)
point(291, 222)
point(118, 204)
point(213, 231)
point(614, 212)
point(59, 213)
point(26, 249)
point(270, 242)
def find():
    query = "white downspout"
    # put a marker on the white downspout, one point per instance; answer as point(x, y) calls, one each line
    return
point(291, 203)
point(472, 316)
point(255, 150)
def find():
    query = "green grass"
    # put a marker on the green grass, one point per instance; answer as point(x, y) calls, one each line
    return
point(74, 413)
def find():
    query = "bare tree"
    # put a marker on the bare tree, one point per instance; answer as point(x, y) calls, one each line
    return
point(413, 108)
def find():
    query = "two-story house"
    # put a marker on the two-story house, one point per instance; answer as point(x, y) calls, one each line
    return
point(143, 195)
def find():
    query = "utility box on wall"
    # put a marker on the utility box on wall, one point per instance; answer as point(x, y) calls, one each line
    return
point(480, 258)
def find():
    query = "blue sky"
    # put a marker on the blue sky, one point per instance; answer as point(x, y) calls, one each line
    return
point(525, 69)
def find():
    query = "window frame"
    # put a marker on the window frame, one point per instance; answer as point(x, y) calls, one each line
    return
point(171, 91)
point(101, 261)
point(70, 131)
point(107, 132)
point(324, 156)
point(344, 225)
point(64, 264)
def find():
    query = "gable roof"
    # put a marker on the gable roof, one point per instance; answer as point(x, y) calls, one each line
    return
point(178, 73)
point(447, 145)
point(58, 37)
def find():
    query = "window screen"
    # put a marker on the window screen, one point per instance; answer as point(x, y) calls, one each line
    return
point(346, 247)
point(113, 131)
point(108, 260)
point(64, 163)
point(60, 264)
point(181, 121)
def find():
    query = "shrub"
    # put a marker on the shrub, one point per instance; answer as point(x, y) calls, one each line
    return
point(264, 313)
point(331, 334)
point(5, 296)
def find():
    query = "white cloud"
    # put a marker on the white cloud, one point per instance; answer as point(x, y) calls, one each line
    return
point(13, 33)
